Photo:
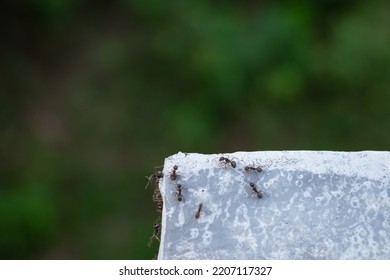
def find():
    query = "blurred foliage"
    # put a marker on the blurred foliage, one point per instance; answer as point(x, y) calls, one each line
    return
point(94, 94)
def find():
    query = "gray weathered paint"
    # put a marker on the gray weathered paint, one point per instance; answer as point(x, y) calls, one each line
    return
point(316, 205)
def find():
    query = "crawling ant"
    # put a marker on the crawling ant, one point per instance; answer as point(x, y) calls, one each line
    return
point(155, 177)
point(159, 206)
point(226, 161)
point(179, 195)
point(258, 193)
point(197, 214)
point(157, 195)
point(156, 231)
point(158, 199)
point(173, 175)
point(250, 168)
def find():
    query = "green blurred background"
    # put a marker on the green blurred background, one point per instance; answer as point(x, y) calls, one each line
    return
point(95, 94)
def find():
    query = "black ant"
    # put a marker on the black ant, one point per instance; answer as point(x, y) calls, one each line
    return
point(253, 168)
point(179, 195)
point(159, 206)
point(197, 214)
point(155, 177)
point(173, 175)
point(156, 231)
point(158, 199)
point(258, 193)
point(226, 161)
point(157, 195)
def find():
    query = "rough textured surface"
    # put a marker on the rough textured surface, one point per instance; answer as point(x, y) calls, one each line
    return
point(315, 205)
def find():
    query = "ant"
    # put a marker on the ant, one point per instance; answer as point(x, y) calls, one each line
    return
point(157, 195)
point(197, 214)
point(250, 168)
point(159, 206)
point(258, 193)
point(173, 175)
point(156, 231)
point(155, 177)
point(179, 195)
point(158, 199)
point(226, 161)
